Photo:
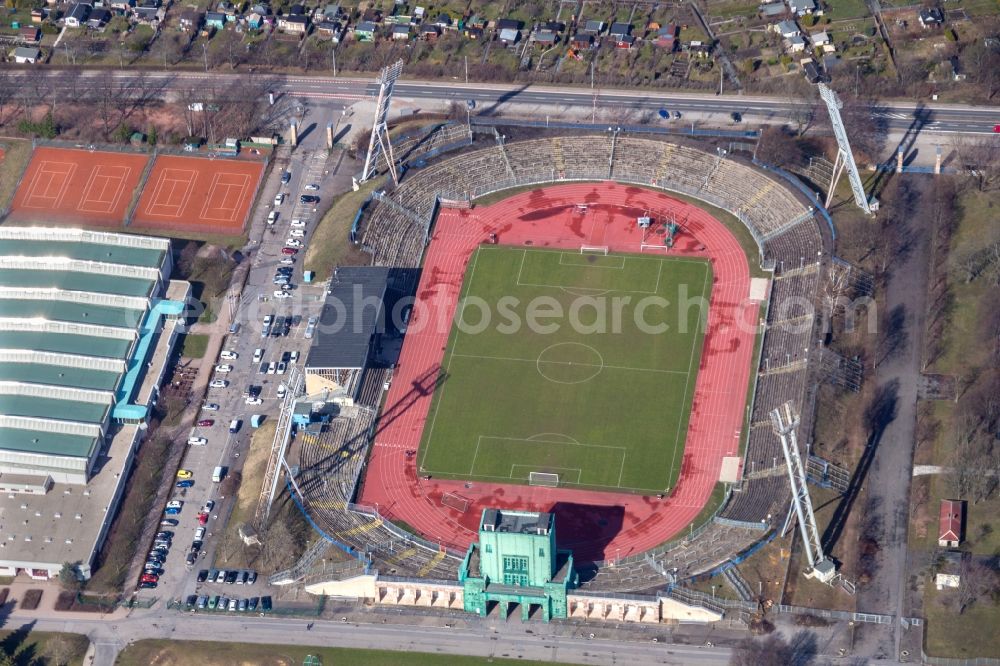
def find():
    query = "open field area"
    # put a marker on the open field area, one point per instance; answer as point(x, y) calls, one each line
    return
point(177, 653)
point(13, 158)
point(43, 647)
point(602, 403)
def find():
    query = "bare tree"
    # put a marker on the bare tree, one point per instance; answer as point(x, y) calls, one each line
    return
point(980, 156)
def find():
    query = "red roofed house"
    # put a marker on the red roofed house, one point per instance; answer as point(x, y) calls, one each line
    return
point(950, 529)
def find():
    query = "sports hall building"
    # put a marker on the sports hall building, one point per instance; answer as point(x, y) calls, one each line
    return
point(88, 322)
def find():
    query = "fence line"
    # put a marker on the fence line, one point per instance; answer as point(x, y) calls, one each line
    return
point(490, 121)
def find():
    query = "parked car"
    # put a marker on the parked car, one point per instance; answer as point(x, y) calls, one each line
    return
point(265, 603)
point(202, 518)
point(293, 242)
point(233, 604)
point(220, 576)
point(243, 605)
point(169, 522)
point(149, 578)
point(148, 585)
point(258, 354)
point(272, 217)
point(165, 534)
point(279, 198)
point(281, 368)
point(199, 534)
point(202, 576)
point(223, 368)
point(251, 577)
point(210, 406)
point(281, 294)
point(184, 474)
point(219, 383)
point(308, 198)
point(271, 367)
point(231, 577)
point(287, 261)
point(252, 603)
point(294, 357)
point(289, 251)
point(192, 557)
point(206, 423)
point(229, 355)
point(209, 505)
point(187, 483)
point(312, 187)
point(175, 504)
point(213, 602)
point(202, 602)
point(297, 233)
point(286, 177)
point(298, 223)
point(197, 441)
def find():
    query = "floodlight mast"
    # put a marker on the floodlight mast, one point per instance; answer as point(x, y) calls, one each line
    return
point(845, 158)
point(379, 143)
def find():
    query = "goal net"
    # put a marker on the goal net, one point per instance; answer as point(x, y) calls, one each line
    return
point(594, 249)
point(456, 502)
point(546, 479)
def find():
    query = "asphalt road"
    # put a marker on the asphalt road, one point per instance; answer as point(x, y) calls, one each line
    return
point(512, 641)
point(899, 116)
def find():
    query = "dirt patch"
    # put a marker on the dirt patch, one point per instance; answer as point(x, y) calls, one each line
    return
point(31, 599)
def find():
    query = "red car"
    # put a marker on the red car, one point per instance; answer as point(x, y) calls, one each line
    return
point(996, 129)
point(206, 423)
point(289, 251)
point(203, 518)
point(149, 578)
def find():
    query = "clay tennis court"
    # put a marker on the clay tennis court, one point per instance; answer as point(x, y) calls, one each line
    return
point(65, 185)
point(596, 525)
point(198, 194)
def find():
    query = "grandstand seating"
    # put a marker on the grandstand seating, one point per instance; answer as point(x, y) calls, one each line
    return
point(791, 296)
point(759, 498)
point(775, 389)
point(786, 343)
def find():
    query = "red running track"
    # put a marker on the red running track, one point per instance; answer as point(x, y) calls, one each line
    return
point(596, 525)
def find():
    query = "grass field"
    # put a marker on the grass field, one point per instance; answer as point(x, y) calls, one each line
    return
point(600, 396)
point(178, 653)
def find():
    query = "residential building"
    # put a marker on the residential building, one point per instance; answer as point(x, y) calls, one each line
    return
point(666, 37)
point(510, 36)
point(98, 18)
point(773, 10)
point(594, 28)
point(401, 32)
point(802, 7)
point(30, 34)
point(27, 55)
point(785, 28)
point(949, 572)
point(950, 519)
point(77, 15)
point(294, 24)
point(619, 31)
point(931, 17)
point(215, 20)
point(365, 31)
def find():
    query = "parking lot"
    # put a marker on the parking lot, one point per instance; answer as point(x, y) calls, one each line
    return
point(245, 391)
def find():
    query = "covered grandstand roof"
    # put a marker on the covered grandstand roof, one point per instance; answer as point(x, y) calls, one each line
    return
point(350, 318)
point(73, 311)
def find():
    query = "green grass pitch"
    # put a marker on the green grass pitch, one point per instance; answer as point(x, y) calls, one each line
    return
point(590, 395)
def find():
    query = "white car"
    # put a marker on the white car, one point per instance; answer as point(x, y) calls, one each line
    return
point(219, 383)
point(210, 407)
point(254, 401)
point(282, 294)
point(197, 441)
point(199, 534)
point(225, 367)
point(293, 242)
point(294, 357)
point(298, 223)
point(271, 367)
point(258, 355)
point(281, 391)
point(312, 187)
point(287, 261)
point(297, 233)
point(175, 504)
point(229, 355)
point(278, 198)
point(272, 217)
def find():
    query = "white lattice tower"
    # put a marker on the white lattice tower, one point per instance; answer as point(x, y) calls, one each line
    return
point(785, 421)
point(845, 158)
point(379, 143)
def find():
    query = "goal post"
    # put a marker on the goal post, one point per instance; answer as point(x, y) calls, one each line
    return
point(457, 502)
point(594, 249)
point(546, 479)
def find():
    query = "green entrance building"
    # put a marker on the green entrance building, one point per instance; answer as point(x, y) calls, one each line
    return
point(516, 561)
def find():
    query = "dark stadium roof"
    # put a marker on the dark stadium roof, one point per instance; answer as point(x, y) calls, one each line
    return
point(348, 320)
